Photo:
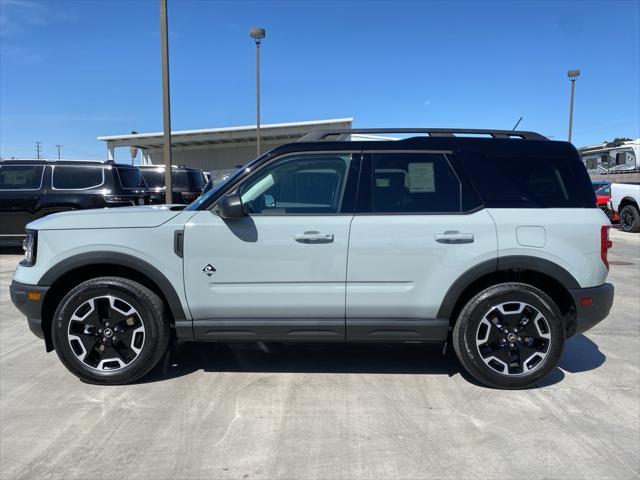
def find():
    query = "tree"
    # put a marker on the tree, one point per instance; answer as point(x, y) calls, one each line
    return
point(617, 141)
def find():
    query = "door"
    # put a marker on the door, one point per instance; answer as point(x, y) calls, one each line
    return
point(20, 195)
point(280, 271)
point(411, 238)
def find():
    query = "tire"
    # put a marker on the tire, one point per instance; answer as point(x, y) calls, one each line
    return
point(110, 331)
point(630, 219)
point(533, 343)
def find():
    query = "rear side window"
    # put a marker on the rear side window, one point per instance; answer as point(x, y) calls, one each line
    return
point(77, 178)
point(414, 183)
point(18, 177)
point(130, 178)
point(529, 182)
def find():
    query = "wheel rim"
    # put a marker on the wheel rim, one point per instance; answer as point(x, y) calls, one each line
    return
point(626, 219)
point(513, 338)
point(106, 333)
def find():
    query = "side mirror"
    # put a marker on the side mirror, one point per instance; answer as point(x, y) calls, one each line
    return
point(230, 206)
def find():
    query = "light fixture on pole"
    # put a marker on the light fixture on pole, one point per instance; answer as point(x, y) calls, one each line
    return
point(572, 74)
point(257, 34)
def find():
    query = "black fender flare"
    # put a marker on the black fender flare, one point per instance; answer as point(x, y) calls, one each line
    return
point(120, 259)
point(509, 262)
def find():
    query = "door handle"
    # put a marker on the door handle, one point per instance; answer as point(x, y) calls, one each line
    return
point(454, 237)
point(313, 237)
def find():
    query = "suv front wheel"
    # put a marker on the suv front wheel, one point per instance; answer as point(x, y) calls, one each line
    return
point(509, 336)
point(110, 330)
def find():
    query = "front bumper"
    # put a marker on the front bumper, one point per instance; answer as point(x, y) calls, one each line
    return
point(29, 300)
point(592, 305)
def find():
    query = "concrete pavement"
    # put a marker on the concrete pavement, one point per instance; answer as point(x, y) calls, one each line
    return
point(327, 411)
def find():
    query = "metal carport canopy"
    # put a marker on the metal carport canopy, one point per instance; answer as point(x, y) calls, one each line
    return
point(226, 135)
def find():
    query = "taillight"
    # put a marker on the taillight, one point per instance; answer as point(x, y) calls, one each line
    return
point(605, 244)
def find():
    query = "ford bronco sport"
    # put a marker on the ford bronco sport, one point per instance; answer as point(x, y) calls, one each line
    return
point(327, 239)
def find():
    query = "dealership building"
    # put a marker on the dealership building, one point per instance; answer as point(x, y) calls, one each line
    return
point(214, 148)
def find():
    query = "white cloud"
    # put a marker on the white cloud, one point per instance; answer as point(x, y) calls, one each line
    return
point(19, 15)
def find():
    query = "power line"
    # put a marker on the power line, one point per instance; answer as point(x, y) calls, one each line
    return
point(38, 150)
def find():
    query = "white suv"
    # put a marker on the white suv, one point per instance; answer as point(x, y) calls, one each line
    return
point(495, 244)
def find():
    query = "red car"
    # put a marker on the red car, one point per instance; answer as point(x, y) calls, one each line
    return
point(603, 194)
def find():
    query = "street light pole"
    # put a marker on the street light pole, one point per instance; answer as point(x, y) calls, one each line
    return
point(257, 34)
point(166, 107)
point(572, 74)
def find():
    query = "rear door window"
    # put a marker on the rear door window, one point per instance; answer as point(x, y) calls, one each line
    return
point(68, 177)
point(414, 183)
point(21, 177)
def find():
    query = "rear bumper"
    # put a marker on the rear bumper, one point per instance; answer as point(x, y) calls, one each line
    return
point(26, 299)
point(592, 305)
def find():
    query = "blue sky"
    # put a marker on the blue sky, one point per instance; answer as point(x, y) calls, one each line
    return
point(73, 70)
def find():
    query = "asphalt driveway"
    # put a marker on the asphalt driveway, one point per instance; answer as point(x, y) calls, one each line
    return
point(327, 411)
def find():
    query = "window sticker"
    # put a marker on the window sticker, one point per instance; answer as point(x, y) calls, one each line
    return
point(383, 182)
point(421, 178)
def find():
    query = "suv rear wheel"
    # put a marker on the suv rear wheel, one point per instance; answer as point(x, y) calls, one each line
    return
point(630, 219)
point(110, 330)
point(509, 336)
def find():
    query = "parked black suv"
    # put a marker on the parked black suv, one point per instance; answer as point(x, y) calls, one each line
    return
point(31, 189)
point(187, 183)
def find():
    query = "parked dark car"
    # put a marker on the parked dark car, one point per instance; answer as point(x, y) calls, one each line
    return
point(31, 189)
point(216, 176)
point(187, 183)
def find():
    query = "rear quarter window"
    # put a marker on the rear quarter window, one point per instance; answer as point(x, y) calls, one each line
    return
point(519, 181)
point(19, 177)
point(130, 178)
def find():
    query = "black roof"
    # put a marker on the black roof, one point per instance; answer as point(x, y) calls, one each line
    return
point(497, 146)
point(323, 135)
point(62, 162)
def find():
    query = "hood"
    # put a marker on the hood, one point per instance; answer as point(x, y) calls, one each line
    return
point(121, 217)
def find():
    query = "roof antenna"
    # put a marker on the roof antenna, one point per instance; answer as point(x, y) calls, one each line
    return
point(517, 123)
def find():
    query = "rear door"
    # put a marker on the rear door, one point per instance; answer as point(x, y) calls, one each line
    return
point(415, 231)
point(21, 188)
point(280, 271)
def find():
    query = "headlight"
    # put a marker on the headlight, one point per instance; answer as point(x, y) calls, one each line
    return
point(30, 246)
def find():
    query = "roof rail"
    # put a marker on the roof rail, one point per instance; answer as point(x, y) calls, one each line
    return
point(321, 135)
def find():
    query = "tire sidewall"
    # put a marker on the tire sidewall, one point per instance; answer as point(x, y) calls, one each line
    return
point(150, 318)
point(473, 313)
point(635, 226)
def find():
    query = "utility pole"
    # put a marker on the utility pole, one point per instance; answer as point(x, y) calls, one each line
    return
point(58, 147)
point(38, 150)
point(572, 74)
point(166, 107)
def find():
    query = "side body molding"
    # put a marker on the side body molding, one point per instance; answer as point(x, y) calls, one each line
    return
point(124, 260)
point(511, 262)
